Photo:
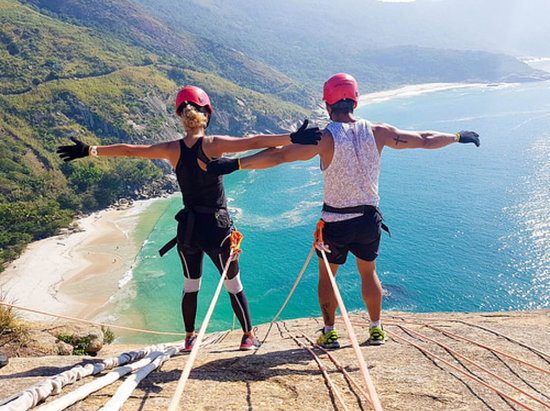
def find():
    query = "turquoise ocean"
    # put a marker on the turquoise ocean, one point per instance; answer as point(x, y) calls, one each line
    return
point(470, 226)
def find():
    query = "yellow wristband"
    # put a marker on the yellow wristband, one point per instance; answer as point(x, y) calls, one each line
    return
point(457, 137)
point(239, 163)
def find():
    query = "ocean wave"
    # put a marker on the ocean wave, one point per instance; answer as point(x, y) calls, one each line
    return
point(310, 183)
point(304, 213)
point(126, 278)
point(497, 115)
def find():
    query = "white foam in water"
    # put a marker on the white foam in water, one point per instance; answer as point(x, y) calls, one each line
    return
point(310, 183)
point(305, 213)
point(126, 278)
point(236, 213)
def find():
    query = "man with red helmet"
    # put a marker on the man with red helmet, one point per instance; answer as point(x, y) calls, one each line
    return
point(204, 224)
point(350, 151)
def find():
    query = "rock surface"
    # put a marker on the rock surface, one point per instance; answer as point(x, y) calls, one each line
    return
point(282, 375)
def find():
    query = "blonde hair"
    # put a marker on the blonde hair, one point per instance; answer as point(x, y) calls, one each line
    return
point(193, 118)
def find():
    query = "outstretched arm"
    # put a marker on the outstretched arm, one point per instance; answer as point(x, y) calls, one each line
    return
point(264, 159)
point(275, 156)
point(163, 151)
point(387, 135)
point(218, 145)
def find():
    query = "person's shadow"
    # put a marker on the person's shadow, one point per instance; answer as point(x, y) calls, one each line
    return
point(253, 367)
point(246, 368)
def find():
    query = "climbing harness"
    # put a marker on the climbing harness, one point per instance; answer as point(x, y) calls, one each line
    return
point(188, 214)
point(361, 209)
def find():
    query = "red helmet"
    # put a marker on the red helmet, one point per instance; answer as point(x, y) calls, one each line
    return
point(341, 86)
point(195, 95)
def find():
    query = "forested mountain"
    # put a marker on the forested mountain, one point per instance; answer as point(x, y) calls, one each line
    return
point(104, 71)
point(382, 44)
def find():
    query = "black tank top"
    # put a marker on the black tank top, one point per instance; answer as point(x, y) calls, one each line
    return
point(197, 187)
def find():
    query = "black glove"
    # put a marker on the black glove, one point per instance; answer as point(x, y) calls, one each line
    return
point(223, 166)
point(306, 135)
point(70, 153)
point(468, 137)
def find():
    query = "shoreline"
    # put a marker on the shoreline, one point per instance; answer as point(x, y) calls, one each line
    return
point(77, 273)
point(415, 90)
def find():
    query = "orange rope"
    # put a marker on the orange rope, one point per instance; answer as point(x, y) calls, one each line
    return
point(340, 367)
point(475, 365)
point(456, 368)
point(323, 371)
point(66, 317)
point(460, 337)
point(504, 354)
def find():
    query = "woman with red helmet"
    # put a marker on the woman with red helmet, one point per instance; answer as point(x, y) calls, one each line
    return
point(350, 152)
point(204, 224)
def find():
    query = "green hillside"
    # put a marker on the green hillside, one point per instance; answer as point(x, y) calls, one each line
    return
point(60, 78)
point(132, 26)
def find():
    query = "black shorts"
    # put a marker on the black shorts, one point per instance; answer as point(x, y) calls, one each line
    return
point(360, 235)
point(210, 235)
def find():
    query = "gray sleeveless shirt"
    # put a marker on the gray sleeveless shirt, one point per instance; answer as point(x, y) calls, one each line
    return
point(351, 179)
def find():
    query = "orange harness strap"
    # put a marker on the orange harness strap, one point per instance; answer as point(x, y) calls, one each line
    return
point(318, 234)
point(235, 240)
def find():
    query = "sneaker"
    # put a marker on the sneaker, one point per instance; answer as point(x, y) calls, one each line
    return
point(249, 342)
point(189, 342)
point(377, 336)
point(328, 340)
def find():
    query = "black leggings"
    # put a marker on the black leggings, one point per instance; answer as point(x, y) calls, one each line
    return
point(209, 232)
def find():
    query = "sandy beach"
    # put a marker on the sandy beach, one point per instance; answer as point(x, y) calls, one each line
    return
point(412, 90)
point(76, 274)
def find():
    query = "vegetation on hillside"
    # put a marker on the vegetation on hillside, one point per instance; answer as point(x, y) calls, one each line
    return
point(60, 79)
point(132, 26)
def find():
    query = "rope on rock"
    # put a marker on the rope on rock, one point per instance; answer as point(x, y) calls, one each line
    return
point(458, 369)
point(342, 369)
point(125, 390)
point(375, 401)
point(33, 395)
point(542, 354)
point(235, 250)
point(494, 350)
point(475, 364)
point(323, 369)
point(300, 274)
point(84, 391)
point(487, 347)
point(81, 320)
